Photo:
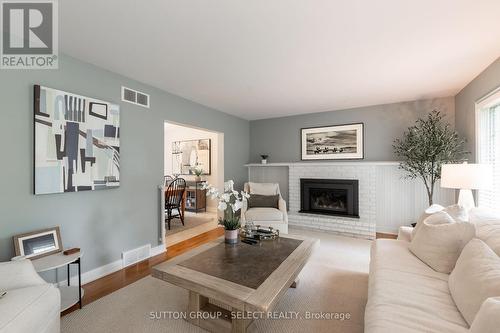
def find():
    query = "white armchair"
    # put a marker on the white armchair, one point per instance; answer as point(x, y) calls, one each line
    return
point(31, 304)
point(266, 216)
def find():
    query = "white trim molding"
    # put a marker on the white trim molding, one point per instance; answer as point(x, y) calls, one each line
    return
point(107, 269)
point(487, 100)
point(329, 163)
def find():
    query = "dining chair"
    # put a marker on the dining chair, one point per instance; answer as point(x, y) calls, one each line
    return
point(173, 200)
point(167, 180)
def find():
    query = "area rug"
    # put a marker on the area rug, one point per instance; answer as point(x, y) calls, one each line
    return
point(191, 220)
point(330, 297)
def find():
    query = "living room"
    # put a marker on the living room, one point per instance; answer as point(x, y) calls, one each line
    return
point(250, 167)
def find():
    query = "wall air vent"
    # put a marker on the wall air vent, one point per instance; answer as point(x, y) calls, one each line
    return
point(135, 97)
point(134, 256)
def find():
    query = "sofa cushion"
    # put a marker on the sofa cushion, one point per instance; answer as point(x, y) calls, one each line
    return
point(404, 233)
point(428, 212)
point(258, 200)
point(487, 224)
point(475, 278)
point(406, 295)
point(263, 188)
point(458, 213)
point(29, 309)
point(487, 319)
point(440, 240)
point(18, 274)
point(263, 214)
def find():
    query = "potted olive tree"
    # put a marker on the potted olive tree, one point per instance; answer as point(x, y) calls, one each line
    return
point(230, 202)
point(426, 146)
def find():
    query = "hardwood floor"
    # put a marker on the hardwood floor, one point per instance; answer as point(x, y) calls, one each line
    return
point(386, 235)
point(119, 279)
point(112, 282)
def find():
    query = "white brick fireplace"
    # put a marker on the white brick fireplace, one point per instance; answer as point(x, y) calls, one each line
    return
point(363, 227)
point(386, 201)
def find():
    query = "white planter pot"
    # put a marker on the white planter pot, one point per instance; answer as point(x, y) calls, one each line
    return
point(231, 236)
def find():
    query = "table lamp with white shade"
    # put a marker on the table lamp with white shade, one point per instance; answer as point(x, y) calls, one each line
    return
point(466, 177)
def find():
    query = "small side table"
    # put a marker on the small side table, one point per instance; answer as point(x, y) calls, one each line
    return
point(70, 295)
point(196, 196)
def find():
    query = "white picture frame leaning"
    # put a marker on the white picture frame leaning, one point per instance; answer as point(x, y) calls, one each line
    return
point(39, 243)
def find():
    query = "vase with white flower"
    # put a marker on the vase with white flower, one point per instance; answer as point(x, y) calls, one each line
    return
point(198, 171)
point(230, 202)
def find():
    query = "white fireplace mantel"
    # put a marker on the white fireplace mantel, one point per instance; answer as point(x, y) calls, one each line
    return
point(325, 163)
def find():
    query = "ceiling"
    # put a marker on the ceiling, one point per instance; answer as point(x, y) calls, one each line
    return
point(268, 58)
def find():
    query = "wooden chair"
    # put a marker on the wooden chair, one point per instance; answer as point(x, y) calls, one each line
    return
point(167, 180)
point(173, 200)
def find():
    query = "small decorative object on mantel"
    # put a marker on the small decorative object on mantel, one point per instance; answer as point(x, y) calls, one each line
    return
point(426, 146)
point(264, 159)
point(340, 142)
point(230, 202)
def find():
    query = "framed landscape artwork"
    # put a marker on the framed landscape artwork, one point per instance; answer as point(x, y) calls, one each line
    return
point(77, 142)
point(189, 154)
point(340, 142)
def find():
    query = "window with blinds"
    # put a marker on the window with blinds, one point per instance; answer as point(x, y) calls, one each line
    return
point(488, 147)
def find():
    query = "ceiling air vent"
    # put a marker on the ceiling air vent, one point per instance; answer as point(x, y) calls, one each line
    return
point(135, 97)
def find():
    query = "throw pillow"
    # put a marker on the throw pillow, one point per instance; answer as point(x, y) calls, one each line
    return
point(458, 213)
point(428, 212)
point(476, 277)
point(487, 319)
point(487, 224)
point(264, 201)
point(440, 240)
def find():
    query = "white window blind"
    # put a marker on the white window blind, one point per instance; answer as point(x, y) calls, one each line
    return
point(488, 147)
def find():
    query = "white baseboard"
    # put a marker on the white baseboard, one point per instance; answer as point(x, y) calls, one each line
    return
point(104, 270)
point(158, 250)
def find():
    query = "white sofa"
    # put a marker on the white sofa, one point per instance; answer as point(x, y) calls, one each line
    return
point(267, 217)
point(405, 295)
point(31, 305)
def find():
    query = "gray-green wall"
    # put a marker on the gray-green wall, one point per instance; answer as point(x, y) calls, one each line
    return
point(466, 99)
point(280, 137)
point(102, 223)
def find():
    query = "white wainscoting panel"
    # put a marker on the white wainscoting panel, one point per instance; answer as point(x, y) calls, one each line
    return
point(402, 201)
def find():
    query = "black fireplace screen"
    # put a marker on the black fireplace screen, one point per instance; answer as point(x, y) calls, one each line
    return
point(328, 199)
point(329, 196)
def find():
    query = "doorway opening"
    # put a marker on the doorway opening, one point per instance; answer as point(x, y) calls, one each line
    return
point(189, 151)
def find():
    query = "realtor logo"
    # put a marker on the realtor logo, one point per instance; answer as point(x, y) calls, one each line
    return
point(29, 37)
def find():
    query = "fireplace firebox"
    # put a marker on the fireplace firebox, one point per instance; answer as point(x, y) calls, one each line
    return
point(338, 197)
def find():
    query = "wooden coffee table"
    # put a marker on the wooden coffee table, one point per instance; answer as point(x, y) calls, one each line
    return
point(238, 281)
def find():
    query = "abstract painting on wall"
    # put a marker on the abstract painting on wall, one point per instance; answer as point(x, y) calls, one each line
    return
point(77, 142)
